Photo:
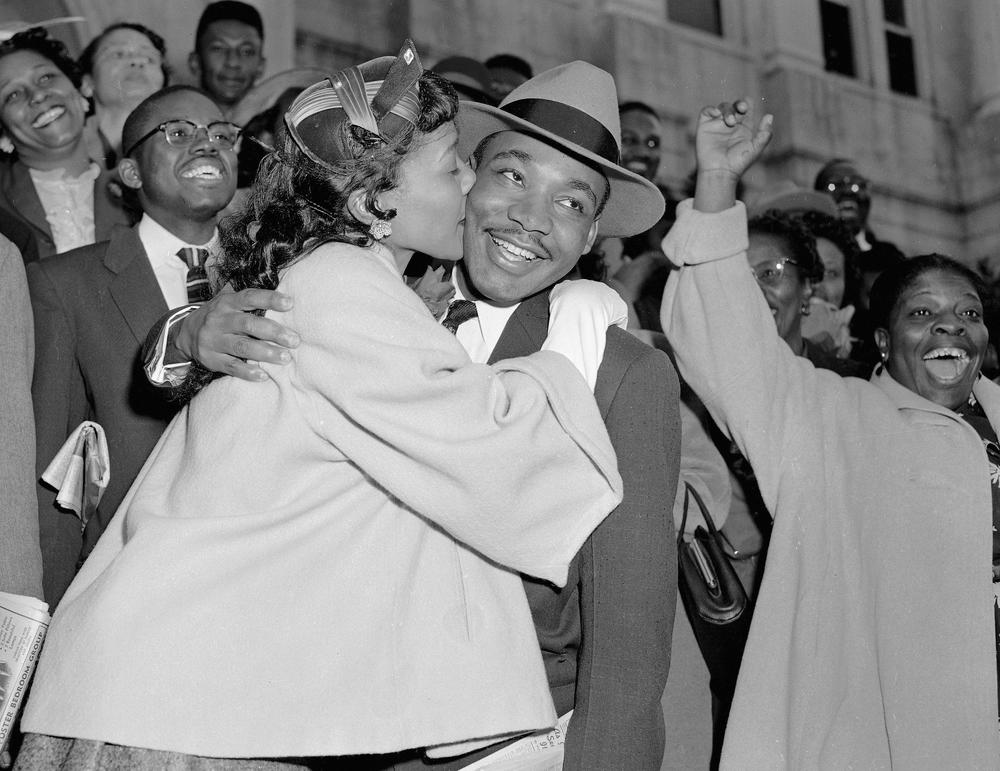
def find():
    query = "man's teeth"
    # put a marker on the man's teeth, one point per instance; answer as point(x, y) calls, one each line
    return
point(47, 117)
point(206, 171)
point(515, 252)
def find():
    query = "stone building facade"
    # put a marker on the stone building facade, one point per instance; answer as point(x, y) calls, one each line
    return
point(909, 89)
point(927, 134)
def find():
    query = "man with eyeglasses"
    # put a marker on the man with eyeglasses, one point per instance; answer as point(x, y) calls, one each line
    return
point(94, 305)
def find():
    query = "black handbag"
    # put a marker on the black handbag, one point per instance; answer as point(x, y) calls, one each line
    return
point(710, 589)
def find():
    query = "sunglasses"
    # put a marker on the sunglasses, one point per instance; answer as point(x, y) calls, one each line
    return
point(181, 133)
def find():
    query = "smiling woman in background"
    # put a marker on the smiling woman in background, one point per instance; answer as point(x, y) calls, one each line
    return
point(53, 198)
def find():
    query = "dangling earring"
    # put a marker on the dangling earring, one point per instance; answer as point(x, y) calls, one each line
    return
point(380, 229)
point(805, 308)
point(6, 145)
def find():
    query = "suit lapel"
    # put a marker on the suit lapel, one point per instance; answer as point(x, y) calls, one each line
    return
point(24, 200)
point(133, 287)
point(526, 329)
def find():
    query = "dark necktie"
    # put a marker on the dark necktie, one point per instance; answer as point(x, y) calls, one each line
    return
point(198, 288)
point(459, 311)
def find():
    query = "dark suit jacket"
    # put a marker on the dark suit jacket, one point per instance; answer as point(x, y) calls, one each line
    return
point(605, 636)
point(92, 308)
point(22, 218)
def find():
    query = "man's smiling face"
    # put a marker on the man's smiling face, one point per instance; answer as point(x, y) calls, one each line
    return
point(530, 215)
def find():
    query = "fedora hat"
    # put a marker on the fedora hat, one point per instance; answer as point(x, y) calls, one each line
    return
point(573, 107)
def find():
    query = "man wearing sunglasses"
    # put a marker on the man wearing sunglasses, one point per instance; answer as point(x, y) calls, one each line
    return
point(93, 306)
point(840, 179)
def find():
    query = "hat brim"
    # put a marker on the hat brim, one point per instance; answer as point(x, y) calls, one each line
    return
point(796, 201)
point(634, 205)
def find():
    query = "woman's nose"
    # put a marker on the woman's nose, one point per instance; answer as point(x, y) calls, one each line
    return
point(953, 325)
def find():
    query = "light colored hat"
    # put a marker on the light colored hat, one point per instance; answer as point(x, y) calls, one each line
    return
point(786, 196)
point(575, 107)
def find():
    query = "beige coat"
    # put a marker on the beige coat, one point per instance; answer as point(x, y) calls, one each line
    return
point(279, 580)
point(872, 643)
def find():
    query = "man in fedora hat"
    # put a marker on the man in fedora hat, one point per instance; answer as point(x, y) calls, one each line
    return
point(548, 180)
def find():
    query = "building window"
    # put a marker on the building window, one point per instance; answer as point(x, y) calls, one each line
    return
point(838, 41)
point(899, 48)
point(705, 15)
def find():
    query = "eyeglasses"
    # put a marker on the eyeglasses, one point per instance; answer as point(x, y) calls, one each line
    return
point(181, 133)
point(772, 273)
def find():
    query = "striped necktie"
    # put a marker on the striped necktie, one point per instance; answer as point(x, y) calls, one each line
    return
point(459, 311)
point(198, 288)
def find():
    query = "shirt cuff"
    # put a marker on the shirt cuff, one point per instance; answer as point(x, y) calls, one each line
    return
point(158, 371)
point(702, 237)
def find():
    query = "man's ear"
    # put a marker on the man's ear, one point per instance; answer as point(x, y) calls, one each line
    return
point(260, 68)
point(358, 207)
point(592, 235)
point(128, 170)
point(194, 64)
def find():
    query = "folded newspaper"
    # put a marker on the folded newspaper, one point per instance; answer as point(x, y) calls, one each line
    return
point(541, 751)
point(23, 623)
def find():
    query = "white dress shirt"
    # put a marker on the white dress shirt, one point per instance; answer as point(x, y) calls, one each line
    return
point(171, 271)
point(479, 335)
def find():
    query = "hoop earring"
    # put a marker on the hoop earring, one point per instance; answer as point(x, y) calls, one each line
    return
point(380, 229)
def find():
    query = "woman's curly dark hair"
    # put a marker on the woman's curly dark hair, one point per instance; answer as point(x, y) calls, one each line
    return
point(799, 240)
point(37, 39)
point(822, 225)
point(295, 204)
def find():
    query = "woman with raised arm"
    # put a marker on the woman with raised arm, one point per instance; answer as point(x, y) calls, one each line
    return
point(873, 642)
point(309, 566)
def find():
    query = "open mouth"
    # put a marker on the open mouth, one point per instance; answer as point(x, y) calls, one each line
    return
point(513, 252)
point(49, 116)
point(947, 364)
point(207, 171)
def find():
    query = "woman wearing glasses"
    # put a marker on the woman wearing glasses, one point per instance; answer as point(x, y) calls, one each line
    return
point(53, 197)
point(123, 65)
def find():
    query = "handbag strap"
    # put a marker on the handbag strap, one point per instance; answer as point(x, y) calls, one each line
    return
point(690, 492)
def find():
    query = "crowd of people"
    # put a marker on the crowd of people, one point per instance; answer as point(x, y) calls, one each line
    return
point(401, 375)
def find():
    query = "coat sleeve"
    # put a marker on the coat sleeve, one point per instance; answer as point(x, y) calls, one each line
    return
point(771, 402)
point(628, 573)
point(20, 554)
point(60, 403)
point(511, 459)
